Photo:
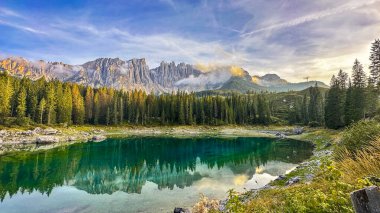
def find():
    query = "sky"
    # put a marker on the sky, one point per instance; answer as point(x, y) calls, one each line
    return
point(292, 38)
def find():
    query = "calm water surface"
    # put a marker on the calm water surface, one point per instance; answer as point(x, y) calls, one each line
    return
point(144, 174)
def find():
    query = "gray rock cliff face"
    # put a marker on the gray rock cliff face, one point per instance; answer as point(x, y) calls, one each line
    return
point(135, 74)
point(168, 73)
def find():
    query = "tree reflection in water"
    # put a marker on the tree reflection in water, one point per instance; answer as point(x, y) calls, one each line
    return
point(126, 164)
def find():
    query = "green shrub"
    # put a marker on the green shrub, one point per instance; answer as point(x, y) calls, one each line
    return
point(234, 204)
point(357, 137)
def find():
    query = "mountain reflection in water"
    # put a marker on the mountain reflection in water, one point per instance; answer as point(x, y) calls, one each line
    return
point(127, 164)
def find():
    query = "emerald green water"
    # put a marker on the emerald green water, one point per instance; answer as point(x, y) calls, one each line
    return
point(141, 174)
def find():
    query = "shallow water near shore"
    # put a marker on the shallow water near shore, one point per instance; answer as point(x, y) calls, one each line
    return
point(141, 174)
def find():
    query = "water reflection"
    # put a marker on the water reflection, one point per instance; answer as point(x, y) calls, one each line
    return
point(128, 164)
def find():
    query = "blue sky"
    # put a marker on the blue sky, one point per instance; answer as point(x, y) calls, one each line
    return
point(293, 38)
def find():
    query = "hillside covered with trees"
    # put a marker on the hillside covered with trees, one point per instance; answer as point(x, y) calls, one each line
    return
point(24, 101)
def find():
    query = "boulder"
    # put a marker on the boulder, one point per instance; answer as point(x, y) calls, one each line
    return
point(47, 139)
point(28, 133)
point(181, 210)
point(293, 180)
point(280, 177)
point(309, 177)
point(298, 130)
point(49, 131)
point(366, 200)
point(3, 133)
point(98, 131)
point(37, 130)
point(98, 138)
point(280, 135)
point(71, 138)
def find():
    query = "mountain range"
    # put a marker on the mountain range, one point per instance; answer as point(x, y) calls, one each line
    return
point(135, 74)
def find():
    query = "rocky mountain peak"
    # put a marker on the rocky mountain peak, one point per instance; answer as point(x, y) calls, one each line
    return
point(270, 77)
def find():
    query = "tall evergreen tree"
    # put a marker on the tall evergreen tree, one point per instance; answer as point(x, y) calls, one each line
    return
point(66, 106)
point(6, 93)
point(315, 106)
point(50, 103)
point(78, 113)
point(358, 75)
point(335, 102)
point(304, 110)
point(374, 67)
point(21, 106)
point(89, 104)
point(358, 98)
point(41, 110)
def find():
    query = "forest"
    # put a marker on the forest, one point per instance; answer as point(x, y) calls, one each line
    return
point(349, 99)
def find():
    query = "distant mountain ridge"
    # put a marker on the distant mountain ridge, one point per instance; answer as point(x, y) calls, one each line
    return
point(135, 74)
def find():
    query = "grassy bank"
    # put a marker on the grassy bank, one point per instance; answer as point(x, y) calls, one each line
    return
point(342, 162)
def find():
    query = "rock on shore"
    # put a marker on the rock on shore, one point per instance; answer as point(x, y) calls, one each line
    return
point(47, 139)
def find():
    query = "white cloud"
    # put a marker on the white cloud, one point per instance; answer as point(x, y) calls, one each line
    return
point(314, 16)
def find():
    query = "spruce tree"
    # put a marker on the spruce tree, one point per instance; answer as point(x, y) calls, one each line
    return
point(21, 106)
point(50, 103)
point(41, 110)
point(67, 105)
point(315, 106)
point(6, 93)
point(334, 109)
point(304, 110)
point(78, 113)
point(358, 98)
point(374, 58)
point(89, 104)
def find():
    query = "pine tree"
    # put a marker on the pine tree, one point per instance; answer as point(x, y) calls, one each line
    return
point(89, 104)
point(181, 114)
point(78, 113)
point(32, 103)
point(6, 93)
point(304, 110)
point(358, 75)
point(50, 103)
point(315, 106)
point(66, 106)
point(358, 98)
point(342, 78)
point(41, 110)
point(349, 105)
point(21, 106)
point(96, 108)
point(374, 67)
point(334, 109)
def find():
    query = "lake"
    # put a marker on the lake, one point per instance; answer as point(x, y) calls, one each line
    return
point(141, 174)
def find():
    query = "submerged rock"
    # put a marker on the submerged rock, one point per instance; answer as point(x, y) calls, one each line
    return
point(47, 139)
point(181, 210)
point(98, 138)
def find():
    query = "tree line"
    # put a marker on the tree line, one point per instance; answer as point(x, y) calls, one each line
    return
point(352, 99)
point(24, 101)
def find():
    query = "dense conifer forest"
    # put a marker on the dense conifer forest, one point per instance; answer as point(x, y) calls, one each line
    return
point(23, 101)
